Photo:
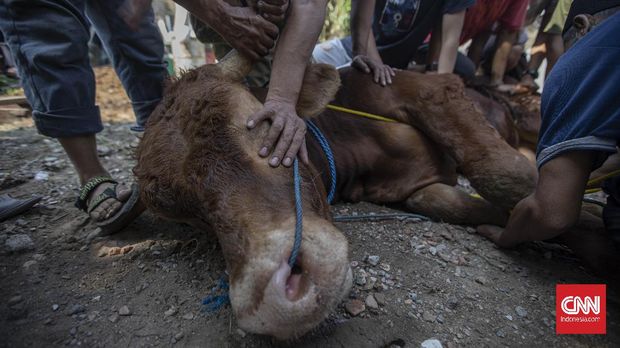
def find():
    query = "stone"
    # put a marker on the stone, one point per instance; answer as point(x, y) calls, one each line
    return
point(171, 311)
point(380, 298)
point(241, 333)
point(500, 333)
point(440, 319)
point(76, 309)
point(354, 307)
point(15, 300)
point(374, 259)
point(19, 243)
point(481, 280)
point(113, 318)
point(38, 257)
point(385, 267)
point(453, 302)
point(55, 307)
point(179, 336)
point(428, 316)
point(188, 316)
point(360, 277)
point(371, 302)
point(28, 265)
point(431, 343)
point(124, 311)
point(521, 311)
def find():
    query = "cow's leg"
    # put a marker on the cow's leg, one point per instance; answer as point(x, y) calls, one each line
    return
point(449, 204)
point(497, 171)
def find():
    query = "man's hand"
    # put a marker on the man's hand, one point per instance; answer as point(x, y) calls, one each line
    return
point(287, 129)
point(273, 10)
point(382, 73)
point(246, 31)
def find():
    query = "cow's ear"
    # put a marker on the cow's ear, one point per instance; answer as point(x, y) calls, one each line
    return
point(321, 82)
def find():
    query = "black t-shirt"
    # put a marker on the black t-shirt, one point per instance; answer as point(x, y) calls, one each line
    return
point(588, 7)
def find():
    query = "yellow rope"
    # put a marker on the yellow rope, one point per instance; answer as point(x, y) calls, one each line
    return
point(360, 113)
point(386, 119)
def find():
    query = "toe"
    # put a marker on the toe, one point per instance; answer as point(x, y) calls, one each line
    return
point(123, 192)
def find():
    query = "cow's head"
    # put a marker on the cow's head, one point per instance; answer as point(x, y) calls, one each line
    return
point(227, 186)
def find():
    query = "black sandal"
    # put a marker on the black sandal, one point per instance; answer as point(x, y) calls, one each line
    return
point(130, 210)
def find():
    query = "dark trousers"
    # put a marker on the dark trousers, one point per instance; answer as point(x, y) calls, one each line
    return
point(49, 42)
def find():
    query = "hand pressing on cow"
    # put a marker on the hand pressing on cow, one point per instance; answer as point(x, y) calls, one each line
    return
point(273, 10)
point(382, 73)
point(286, 136)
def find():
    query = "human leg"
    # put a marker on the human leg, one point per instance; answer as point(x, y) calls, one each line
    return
point(137, 56)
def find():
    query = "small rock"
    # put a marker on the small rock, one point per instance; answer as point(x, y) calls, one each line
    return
point(48, 321)
point(385, 267)
point(73, 331)
point(453, 302)
point(360, 277)
point(171, 311)
point(481, 280)
point(355, 307)
point(179, 336)
point(15, 300)
point(124, 311)
point(113, 318)
point(241, 333)
point(433, 250)
point(38, 257)
point(96, 298)
point(509, 317)
point(55, 307)
point(29, 264)
point(428, 316)
point(18, 243)
point(371, 302)
point(374, 259)
point(76, 309)
point(440, 319)
point(41, 176)
point(521, 311)
point(431, 343)
point(500, 333)
point(188, 316)
point(380, 298)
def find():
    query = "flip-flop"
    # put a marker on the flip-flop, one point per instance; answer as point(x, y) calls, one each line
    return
point(10, 206)
point(131, 209)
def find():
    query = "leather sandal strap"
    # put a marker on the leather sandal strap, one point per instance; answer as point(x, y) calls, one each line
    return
point(87, 189)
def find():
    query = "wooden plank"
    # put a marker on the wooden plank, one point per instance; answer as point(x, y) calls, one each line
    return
point(13, 100)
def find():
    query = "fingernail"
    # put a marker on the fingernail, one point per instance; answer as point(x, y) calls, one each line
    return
point(287, 161)
point(274, 161)
point(263, 152)
point(251, 123)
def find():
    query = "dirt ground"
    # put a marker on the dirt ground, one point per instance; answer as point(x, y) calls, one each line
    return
point(430, 280)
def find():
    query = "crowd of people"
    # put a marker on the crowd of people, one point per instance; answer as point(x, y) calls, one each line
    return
point(483, 41)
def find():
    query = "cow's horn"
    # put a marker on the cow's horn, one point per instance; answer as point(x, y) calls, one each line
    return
point(235, 65)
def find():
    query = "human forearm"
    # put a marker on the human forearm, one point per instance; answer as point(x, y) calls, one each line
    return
point(505, 40)
point(361, 27)
point(450, 35)
point(294, 49)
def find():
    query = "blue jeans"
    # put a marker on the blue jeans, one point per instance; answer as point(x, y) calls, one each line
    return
point(49, 42)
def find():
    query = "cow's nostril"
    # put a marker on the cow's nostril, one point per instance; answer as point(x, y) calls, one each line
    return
point(297, 283)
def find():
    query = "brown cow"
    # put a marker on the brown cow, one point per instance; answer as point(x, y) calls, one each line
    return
point(198, 163)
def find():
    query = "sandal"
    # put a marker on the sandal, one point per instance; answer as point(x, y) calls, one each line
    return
point(10, 206)
point(130, 210)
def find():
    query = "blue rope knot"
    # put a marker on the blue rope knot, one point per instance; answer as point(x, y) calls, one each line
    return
point(215, 301)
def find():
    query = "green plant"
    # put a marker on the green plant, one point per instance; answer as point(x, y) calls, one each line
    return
point(337, 19)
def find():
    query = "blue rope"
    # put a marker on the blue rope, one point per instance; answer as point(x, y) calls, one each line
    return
point(299, 214)
point(330, 158)
point(215, 302)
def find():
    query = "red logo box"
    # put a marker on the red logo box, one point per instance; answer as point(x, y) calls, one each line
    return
point(581, 309)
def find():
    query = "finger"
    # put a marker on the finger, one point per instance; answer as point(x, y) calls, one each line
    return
point(247, 52)
point(391, 70)
point(377, 74)
point(269, 28)
point(296, 144)
point(361, 65)
point(273, 18)
point(265, 8)
point(383, 77)
point(303, 153)
point(259, 117)
point(284, 143)
point(267, 41)
point(388, 75)
point(272, 136)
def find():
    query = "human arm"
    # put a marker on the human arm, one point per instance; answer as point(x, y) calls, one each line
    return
point(365, 53)
point(244, 29)
point(287, 132)
point(451, 27)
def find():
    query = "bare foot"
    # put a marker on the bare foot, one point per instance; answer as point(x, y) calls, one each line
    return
point(110, 206)
point(496, 235)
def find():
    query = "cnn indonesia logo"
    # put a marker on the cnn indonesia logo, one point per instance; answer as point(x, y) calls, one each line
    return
point(581, 309)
